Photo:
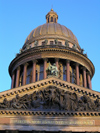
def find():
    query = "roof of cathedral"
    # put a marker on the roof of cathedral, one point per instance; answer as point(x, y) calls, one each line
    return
point(51, 29)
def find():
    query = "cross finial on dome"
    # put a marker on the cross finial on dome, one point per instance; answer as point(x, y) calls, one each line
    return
point(52, 16)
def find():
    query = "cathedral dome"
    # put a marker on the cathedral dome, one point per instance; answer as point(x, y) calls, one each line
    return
point(48, 46)
point(51, 30)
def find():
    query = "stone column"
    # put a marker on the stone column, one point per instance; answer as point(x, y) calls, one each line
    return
point(17, 76)
point(84, 78)
point(34, 71)
point(89, 81)
point(45, 66)
point(57, 62)
point(25, 73)
point(77, 73)
point(68, 71)
point(13, 78)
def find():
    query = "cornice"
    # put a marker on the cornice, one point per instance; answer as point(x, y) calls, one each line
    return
point(39, 53)
point(52, 36)
point(27, 89)
point(12, 113)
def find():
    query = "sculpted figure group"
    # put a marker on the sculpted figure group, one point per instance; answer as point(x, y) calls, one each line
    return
point(52, 70)
point(52, 98)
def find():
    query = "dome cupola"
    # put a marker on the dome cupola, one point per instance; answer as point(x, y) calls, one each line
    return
point(51, 17)
point(51, 31)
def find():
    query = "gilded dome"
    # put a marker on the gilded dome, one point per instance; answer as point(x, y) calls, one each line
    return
point(51, 30)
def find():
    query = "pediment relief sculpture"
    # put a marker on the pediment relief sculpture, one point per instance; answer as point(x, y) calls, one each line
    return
point(52, 98)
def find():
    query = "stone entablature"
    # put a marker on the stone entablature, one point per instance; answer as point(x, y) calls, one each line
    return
point(55, 124)
point(71, 55)
point(50, 99)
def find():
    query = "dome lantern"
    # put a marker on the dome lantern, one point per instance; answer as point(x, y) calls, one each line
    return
point(51, 17)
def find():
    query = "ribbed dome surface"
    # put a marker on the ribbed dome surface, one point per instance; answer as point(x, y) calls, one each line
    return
point(51, 30)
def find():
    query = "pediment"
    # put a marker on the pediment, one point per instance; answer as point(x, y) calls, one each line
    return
point(50, 95)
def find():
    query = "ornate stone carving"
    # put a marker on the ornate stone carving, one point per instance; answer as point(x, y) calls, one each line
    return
point(56, 41)
point(52, 98)
point(52, 70)
point(74, 46)
point(36, 43)
point(66, 43)
point(46, 41)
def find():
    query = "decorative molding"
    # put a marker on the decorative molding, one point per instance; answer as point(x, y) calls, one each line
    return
point(53, 99)
point(47, 113)
point(40, 52)
point(46, 82)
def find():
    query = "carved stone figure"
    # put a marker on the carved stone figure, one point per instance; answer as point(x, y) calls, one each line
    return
point(52, 98)
point(74, 101)
point(46, 41)
point(66, 44)
point(56, 41)
point(88, 103)
point(97, 104)
point(52, 69)
point(74, 46)
point(82, 50)
point(5, 104)
point(35, 43)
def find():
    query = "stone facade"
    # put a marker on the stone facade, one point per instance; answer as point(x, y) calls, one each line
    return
point(51, 87)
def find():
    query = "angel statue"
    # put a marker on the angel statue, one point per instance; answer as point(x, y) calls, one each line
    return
point(52, 70)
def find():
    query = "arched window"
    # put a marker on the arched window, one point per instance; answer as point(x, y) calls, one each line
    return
point(55, 20)
point(73, 75)
point(36, 75)
point(41, 72)
point(64, 72)
point(51, 19)
point(59, 43)
point(29, 75)
point(87, 81)
point(51, 42)
point(15, 80)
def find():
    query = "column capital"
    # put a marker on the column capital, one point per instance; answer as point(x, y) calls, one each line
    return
point(18, 68)
point(84, 68)
point(57, 59)
point(45, 59)
point(34, 61)
point(26, 64)
point(88, 73)
point(77, 64)
point(68, 61)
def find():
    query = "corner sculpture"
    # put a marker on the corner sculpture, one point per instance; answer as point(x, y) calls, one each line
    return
point(52, 70)
point(52, 98)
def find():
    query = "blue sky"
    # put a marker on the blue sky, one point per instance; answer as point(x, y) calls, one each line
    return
point(19, 17)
